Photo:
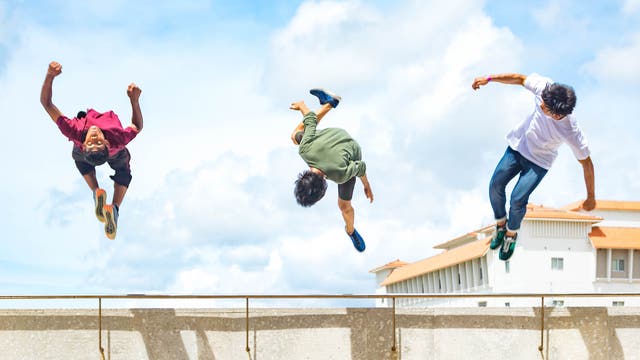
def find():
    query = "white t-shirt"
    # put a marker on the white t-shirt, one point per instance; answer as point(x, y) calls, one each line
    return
point(539, 136)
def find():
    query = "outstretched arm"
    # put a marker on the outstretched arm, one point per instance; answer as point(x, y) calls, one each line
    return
point(513, 79)
point(367, 187)
point(589, 181)
point(47, 91)
point(133, 91)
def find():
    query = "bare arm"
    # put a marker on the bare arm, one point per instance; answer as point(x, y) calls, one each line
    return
point(133, 91)
point(367, 187)
point(589, 181)
point(47, 91)
point(513, 79)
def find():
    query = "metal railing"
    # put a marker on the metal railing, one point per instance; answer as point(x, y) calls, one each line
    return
point(393, 298)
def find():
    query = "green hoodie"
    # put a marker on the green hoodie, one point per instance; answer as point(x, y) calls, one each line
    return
point(331, 150)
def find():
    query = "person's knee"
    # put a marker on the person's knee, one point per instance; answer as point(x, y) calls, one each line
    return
point(345, 206)
point(122, 178)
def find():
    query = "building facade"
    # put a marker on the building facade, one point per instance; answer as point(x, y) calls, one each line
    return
point(559, 251)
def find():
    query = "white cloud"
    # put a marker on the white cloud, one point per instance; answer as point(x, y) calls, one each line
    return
point(630, 6)
point(616, 65)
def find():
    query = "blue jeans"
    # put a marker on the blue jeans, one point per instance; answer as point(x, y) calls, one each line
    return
point(512, 164)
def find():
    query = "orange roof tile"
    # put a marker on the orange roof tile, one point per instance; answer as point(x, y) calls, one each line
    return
point(615, 237)
point(463, 239)
point(390, 265)
point(447, 258)
point(541, 212)
point(607, 205)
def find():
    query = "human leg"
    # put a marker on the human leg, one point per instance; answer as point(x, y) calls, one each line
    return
point(121, 180)
point(345, 194)
point(507, 169)
point(88, 173)
point(529, 179)
point(348, 214)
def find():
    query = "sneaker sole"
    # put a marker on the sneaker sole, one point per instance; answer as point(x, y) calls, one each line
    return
point(110, 226)
point(101, 199)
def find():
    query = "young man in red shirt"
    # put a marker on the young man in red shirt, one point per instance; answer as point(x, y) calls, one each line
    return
point(98, 138)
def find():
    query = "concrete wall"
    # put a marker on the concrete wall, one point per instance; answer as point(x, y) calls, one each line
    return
point(362, 333)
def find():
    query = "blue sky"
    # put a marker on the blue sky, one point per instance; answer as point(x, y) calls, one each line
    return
point(210, 208)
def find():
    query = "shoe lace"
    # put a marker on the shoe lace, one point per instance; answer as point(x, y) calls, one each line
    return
point(508, 240)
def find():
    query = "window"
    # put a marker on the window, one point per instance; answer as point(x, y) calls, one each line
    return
point(507, 266)
point(557, 303)
point(482, 304)
point(459, 280)
point(507, 304)
point(557, 263)
point(617, 265)
point(618, 303)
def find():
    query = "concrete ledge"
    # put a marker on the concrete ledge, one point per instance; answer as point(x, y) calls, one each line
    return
point(352, 333)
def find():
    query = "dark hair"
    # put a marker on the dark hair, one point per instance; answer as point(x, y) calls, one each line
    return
point(299, 136)
point(81, 114)
point(96, 158)
point(559, 99)
point(310, 187)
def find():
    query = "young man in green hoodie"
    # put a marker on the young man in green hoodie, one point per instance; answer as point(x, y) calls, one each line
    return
point(331, 154)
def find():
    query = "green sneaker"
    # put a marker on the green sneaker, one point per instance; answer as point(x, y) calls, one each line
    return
point(508, 246)
point(498, 236)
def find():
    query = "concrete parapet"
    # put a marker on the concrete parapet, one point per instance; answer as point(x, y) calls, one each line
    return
point(352, 333)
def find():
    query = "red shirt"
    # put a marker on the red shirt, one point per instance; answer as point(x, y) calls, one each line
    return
point(117, 136)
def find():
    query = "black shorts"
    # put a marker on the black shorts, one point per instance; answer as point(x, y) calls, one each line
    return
point(345, 191)
point(119, 162)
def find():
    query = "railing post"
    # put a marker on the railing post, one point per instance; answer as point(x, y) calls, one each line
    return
point(541, 347)
point(100, 328)
point(247, 348)
point(393, 321)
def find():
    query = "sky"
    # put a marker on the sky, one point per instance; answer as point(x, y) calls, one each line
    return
point(211, 210)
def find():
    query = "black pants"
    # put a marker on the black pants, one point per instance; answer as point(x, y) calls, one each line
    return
point(119, 162)
point(345, 191)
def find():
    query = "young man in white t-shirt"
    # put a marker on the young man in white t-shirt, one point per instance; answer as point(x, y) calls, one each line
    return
point(533, 146)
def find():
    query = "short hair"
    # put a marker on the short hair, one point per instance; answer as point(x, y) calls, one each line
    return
point(81, 114)
point(559, 99)
point(96, 158)
point(298, 136)
point(309, 188)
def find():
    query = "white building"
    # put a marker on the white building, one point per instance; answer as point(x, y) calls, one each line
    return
point(559, 251)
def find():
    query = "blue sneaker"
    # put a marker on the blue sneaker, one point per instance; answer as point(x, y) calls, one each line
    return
point(357, 240)
point(508, 247)
point(326, 97)
point(111, 224)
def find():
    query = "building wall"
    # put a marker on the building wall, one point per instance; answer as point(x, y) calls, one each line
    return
point(617, 218)
point(361, 334)
point(601, 270)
